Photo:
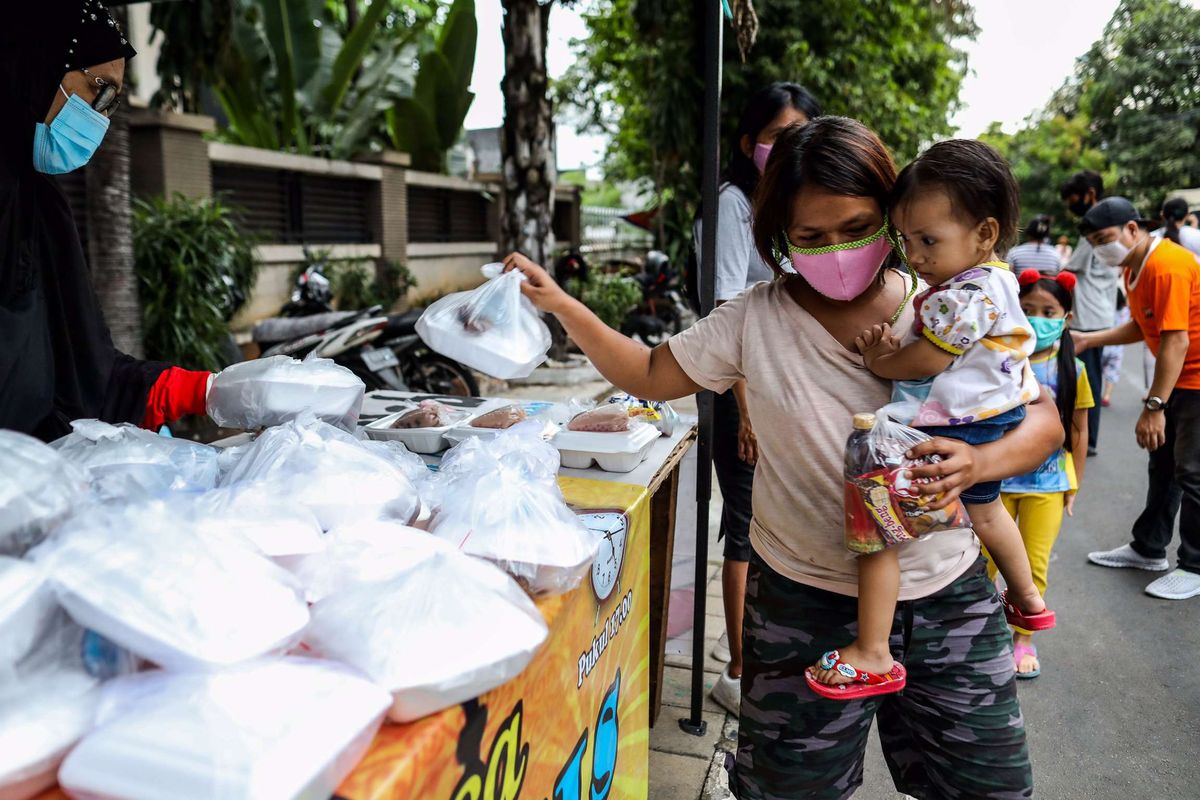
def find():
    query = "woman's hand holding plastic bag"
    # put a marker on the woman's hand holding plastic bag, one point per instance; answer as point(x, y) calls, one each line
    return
point(492, 329)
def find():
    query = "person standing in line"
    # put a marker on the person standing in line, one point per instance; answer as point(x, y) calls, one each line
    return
point(1162, 282)
point(1114, 355)
point(1039, 500)
point(739, 266)
point(1174, 215)
point(1064, 250)
point(1035, 252)
point(1095, 290)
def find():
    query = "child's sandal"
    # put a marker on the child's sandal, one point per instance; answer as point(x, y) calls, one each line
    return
point(866, 684)
point(1042, 621)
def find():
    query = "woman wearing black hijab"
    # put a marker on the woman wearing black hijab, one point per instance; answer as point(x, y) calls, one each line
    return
point(62, 66)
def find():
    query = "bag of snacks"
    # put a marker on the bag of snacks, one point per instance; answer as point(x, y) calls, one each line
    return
point(884, 507)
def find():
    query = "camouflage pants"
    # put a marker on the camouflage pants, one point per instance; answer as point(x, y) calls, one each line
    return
point(955, 732)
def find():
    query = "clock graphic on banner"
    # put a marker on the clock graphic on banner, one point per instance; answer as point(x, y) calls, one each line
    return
point(612, 528)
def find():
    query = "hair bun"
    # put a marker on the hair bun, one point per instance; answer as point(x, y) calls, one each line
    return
point(1066, 280)
point(1029, 276)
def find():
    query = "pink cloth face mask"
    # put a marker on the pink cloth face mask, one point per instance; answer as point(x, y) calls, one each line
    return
point(842, 271)
point(761, 153)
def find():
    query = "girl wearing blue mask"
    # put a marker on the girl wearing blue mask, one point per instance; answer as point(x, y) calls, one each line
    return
point(62, 65)
point(1038, 500)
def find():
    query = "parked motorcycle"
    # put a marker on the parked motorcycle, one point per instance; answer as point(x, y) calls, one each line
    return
point(381, 349)
point(663, 311)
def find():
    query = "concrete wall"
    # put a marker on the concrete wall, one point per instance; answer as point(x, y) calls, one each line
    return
point(444, 268)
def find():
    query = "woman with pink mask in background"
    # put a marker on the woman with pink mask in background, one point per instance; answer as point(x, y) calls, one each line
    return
point(738, 267)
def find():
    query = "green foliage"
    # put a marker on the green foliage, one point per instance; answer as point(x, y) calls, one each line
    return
point(1130, 111)
point(360, 283)
point(294, 75)
point(891, 63)
point(1043, 154)
point(610, 297)
point(191, 258)
point(428, 123)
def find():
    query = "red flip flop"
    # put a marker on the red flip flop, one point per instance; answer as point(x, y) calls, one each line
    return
point(1042, 621)
point(866, 684)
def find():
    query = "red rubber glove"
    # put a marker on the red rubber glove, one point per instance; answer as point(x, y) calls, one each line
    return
point(176, 393)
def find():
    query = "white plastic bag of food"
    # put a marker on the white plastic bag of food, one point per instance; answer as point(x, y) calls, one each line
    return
point(26, 608)
point(38, 488)
point(364, 552)
point(150, 581)
point(124, 462)
point(279, 729)
point(500, 500)
point(492, 329)
point(47, 702)
point(337, 477)
point(447, 629)
point(275, 525)
point(270, 391)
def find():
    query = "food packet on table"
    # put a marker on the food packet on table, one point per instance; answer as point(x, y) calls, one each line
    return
point(126, 463)
point(331, 473)
point(524, 525)
point(47, 702)
point(275, 525)
point(278, 728)
point(883, 507)
point(501, 418)
point(492, 329)
point(445, 630)
point(38, 489)
point(271, 391)
point(150, 580)
point(653, 412)
point(364, 552)
point(603, 419)
point(428, 414)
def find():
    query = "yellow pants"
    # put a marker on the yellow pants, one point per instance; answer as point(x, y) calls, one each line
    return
point(1039, 517)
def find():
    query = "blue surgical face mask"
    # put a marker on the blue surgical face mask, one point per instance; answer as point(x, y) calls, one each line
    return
point(69, 141)
point(1047, 331)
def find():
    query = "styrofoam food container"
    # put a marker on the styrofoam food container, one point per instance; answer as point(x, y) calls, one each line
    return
point(612, 452)
point(39, 725)
point(464, 431)
point(280, 730)
point(427, 441)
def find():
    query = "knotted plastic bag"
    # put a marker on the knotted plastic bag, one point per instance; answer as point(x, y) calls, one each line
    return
point(500, 500)
point(326, 470)
point(271, 391)
point(150, 580)
point(492, 329)
point(883, 506)
point(38, 488)
point(283, 728)
point(445, 630)
point(126, 463)
point(47, 702)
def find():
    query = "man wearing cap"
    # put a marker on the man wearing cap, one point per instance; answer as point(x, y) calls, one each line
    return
point(1095, 292)
point(1162, 282)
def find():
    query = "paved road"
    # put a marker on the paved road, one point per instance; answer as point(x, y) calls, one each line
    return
point(1116, 712)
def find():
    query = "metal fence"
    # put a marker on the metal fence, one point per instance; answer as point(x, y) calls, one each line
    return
point(605, 235)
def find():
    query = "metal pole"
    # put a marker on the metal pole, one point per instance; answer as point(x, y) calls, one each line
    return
point(711, 155)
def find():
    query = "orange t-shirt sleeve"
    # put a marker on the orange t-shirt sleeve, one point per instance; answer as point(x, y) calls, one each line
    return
point(1173, 298)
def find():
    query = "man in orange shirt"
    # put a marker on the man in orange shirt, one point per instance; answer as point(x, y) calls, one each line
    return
point(1162, 282)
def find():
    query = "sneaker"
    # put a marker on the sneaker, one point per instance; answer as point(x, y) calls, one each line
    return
point(1126, 556)
point(1179, 585)
point(720, 650)
point(727, 693)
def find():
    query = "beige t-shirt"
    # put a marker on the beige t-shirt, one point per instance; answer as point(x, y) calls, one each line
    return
point(803, 388)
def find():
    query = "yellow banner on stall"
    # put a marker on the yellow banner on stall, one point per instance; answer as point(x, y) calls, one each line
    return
point(575, 724)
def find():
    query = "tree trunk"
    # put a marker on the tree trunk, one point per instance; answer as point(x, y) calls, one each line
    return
point(110, 237)
point(527, 142)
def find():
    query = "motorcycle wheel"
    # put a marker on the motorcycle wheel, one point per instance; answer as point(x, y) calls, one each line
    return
point(433, 374)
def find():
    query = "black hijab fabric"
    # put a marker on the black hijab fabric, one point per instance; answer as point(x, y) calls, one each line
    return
point(57, 360)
